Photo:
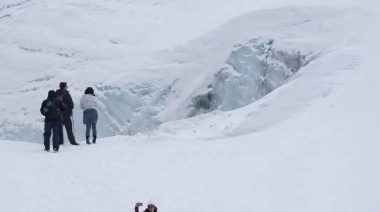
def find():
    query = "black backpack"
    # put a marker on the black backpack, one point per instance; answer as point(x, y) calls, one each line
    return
point(51, 109)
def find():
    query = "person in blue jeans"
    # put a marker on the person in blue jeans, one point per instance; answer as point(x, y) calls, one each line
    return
point(52, 108)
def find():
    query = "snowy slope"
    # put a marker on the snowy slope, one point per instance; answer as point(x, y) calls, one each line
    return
point(129, 51)
point(310, 145)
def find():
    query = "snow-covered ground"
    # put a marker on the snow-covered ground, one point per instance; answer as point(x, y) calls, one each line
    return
point(310, 145)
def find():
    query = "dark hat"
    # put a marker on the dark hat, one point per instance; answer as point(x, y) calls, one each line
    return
point(62, 85)
point(89, 90)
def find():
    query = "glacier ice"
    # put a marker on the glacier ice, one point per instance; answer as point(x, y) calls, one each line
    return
point(252, 70)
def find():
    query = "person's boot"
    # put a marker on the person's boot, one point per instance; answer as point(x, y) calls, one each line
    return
point(94, 140)
point(74, 143)
point(88, 140)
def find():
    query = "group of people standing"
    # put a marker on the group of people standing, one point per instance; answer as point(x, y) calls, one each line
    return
point(58, 111)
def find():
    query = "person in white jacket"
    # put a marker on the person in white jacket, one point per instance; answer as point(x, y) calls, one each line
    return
point(90, 114)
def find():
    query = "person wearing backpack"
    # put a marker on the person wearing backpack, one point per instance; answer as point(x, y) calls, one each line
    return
point(90, 114)
point(67, 114)
point(52, 108)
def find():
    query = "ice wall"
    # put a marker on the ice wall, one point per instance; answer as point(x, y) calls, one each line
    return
point(252, 70)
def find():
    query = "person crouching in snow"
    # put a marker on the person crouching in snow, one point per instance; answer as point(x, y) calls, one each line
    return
point(151, 207)
point(90, 114)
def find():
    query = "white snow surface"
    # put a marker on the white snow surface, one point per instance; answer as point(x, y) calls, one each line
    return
point(310, 145)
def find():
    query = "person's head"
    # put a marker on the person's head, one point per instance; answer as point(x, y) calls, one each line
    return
point(152, 207)
point(89, 90)
point(52, 94)
point(63, 86)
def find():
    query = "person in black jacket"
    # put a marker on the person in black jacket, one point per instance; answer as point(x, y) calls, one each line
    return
point(151, 207)
point(66, 116)
point(52, 108)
